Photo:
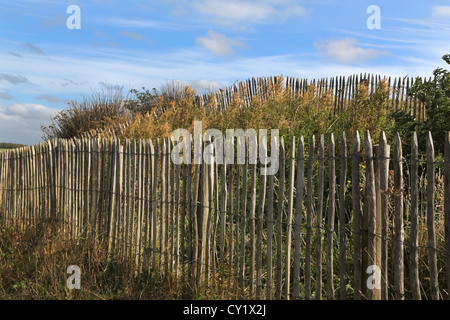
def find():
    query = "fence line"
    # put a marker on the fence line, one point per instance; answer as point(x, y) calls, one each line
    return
point(342, 89)
point(304, 232)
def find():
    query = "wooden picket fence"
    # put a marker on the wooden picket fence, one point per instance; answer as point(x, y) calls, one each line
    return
point(314, 230)
point(342, 88)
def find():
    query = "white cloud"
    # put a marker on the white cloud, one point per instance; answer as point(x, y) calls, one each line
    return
point(133, 35)
point(440, 11)
point(21, 122)
point(347, 51)
point(218, 43)
point(205, 85)
point(136, 23)
point(29, 111)
point(234, 11)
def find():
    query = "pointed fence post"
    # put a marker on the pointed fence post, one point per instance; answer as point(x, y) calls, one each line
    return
point(414, 259)
point(431, 188)
point(398, 220)
point(383, 159)
point(356, 159)
point(331, 215)
point(447, 206)
point(300, 186)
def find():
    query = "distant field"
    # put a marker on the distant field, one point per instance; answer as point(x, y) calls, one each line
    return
point(8, 145)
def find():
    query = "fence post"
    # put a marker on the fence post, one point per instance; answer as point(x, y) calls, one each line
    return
point(223, 212)
point(319, 215)
point(243, 217)
point(342, 229)
point(414, 260)
point(289, 219)
point(230, 187)
point(261, 200)
point(253, 224)
point(430, 219)
point(112, 206)
point(280, 220)
point(300, 185)
point(162, 248)
point(398, 219)
point(447, 206)
point(203, 221)
point(309, 212)
point(167, 222)
point(356, 215)
point(270, 223)
point(369, 258)
point(139, 170)
point(331, 214)
point(384, 210)
point(237, 222)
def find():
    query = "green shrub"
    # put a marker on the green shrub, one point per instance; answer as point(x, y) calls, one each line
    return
point(435, 95)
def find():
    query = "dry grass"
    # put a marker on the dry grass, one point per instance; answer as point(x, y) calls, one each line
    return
point(274, 108)
point(99, 111)
point(33, 265)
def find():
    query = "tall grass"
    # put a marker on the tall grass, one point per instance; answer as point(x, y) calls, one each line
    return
point(274, 108)
point(101, 110)
point(33, 265)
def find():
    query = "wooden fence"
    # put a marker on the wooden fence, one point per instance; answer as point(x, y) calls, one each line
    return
point(342, 88)
point(337, 221)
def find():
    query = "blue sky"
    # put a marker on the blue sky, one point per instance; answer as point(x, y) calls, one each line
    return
point(204, 43)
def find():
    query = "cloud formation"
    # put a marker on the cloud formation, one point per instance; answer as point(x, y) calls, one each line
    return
point(26, 116)
point(440, 11)
point(15, 54)
point(48, 98)
point(236, 11)
point(13, 78)
point(347, 51)
point(218, 43)
point(5, 95)
point(132, 35)
point(33, 49)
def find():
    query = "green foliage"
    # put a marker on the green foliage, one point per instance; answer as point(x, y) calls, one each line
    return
point(405, 124)
point(156, 100)
point(435, 95)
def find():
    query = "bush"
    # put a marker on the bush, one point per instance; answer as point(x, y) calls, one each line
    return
point(101, 110)
point(156, 101)
point(435, 95)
